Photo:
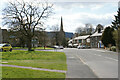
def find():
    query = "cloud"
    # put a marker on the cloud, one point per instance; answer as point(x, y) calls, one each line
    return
point(72, 21)
point(78, 14)
point(95, 7)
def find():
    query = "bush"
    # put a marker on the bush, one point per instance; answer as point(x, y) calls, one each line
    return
point(113, 48)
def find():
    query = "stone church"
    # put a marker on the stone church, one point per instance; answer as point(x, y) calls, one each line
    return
point(61, 34)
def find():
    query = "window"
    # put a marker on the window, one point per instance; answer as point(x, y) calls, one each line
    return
point(6, 45)
point(99, 30)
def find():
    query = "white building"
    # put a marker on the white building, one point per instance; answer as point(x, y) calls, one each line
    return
point(80, 40)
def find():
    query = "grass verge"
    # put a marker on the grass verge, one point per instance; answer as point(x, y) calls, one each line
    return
point(33, 48)
point(38, 59)
point(10, 72)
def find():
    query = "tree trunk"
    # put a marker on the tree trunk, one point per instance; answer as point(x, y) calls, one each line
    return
point(29, 44)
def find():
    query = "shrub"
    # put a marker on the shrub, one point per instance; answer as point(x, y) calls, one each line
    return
point(113, 48)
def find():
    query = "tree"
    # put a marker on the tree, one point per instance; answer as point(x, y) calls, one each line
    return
point(15, 39)
point(116, 26)
point(26, 16)
point(87, 30)
point(107, 37)
point(79, 30)
point(55, 29)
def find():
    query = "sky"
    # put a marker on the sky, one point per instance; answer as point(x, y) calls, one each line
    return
point(77, 14)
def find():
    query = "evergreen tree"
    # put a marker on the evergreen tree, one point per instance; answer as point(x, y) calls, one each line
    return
point(107, 37)
point(116, 26)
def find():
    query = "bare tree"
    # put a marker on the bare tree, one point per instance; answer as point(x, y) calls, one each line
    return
point(26, 16)
point(79, 30)
point(87, 30)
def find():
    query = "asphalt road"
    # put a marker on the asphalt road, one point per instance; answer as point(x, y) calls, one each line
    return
point(91, 63)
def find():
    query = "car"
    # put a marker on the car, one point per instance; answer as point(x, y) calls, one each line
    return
point(5, 47)
point(55, 47)
point(61, 47)
point(58, 47)
point(81, 47)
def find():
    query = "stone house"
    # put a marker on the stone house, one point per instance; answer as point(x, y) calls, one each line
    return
point(3, 36)
point(95, 38)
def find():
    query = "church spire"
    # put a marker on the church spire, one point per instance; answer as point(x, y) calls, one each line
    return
point(61, 26)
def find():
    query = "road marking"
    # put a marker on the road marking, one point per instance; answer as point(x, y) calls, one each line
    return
point(87, 65)
point(98, 50)
point(111, 58)
point(81, 60)
point(106, 57)
point(71, 57)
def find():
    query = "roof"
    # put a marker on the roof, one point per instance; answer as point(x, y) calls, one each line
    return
point(82, 37)
point(97, 34)
point(70, 40)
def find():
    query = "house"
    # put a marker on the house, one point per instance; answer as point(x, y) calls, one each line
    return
point(95, 38)
point(0, 35)
point(80, 40)
point(3, 36)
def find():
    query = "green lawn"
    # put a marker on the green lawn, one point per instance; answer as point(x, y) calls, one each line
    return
point(10, 72)
point(37, 59)
point(33, 48)
point(43, 48)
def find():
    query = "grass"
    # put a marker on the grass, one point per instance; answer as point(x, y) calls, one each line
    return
point(33, 48)
point(19, 48)
point(43, 48)
point(10, 72)
point(39, 59)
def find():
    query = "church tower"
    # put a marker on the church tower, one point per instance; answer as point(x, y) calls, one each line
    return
point(61, 26)
point(61, 34)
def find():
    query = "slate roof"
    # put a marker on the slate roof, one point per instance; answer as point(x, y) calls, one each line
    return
point(82, 37)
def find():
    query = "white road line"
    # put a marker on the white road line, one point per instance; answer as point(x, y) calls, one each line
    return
point(111, 58)
point(98, 50)
point(106, 57)
point(81, 60)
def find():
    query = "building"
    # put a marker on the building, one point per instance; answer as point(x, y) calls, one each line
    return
point(95, 38)
point(80, 40)
point(61, 34)
point(0, 35)
point(59, 37)
point(3, 36)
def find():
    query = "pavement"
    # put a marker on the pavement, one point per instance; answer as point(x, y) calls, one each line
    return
point(91, 63)
point(51, 70)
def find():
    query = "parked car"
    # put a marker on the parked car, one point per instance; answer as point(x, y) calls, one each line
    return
point(5, 47)
point(58, 47)
point(81, 47)
point(61, 47)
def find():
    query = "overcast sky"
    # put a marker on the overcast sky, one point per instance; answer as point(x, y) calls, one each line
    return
point(77, 14)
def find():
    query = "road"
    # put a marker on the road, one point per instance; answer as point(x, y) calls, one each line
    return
point(91, 63)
